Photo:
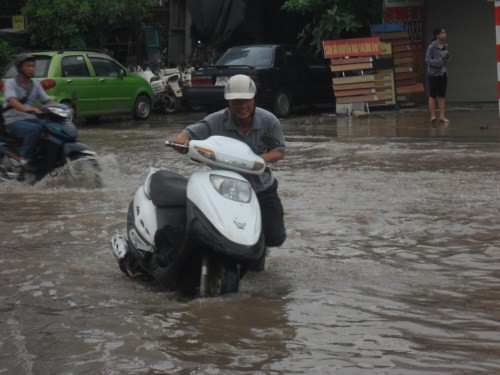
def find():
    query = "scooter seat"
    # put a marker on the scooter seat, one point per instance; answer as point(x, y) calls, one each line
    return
point(168, 189)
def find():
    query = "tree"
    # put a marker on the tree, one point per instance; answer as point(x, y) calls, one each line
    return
point(331, 18)
point(57, 24)
point(6, 55)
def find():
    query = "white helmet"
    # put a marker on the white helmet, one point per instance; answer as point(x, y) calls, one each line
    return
point(240, 86)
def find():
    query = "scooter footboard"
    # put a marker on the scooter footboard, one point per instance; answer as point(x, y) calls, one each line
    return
point(207, 235)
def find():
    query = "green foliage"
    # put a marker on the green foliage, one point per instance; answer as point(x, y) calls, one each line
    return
point(6, 55)
point(331, 18)
point(57, 24)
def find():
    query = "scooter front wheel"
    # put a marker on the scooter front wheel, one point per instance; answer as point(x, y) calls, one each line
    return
point(218, 278)
point(169, 104)
point(87, 170)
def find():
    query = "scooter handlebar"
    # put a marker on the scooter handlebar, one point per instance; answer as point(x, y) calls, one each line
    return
point(175, 145)
point(183, 149)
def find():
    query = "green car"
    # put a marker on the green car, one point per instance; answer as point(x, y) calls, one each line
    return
point(92, 83)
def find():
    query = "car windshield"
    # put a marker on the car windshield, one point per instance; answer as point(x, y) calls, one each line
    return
point(41, 68)
point(252, 56)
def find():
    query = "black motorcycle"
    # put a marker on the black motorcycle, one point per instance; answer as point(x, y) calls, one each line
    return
point(58, 148)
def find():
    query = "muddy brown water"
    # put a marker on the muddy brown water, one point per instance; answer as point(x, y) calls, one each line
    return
point(391, 266)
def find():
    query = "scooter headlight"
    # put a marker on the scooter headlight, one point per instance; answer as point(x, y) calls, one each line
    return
point(232, 188)
point(60, 113)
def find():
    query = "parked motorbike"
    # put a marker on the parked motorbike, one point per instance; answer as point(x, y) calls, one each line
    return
point(58, 147)
point(185, 78)
point(165, 84)
point(171, 77)
point(198, 235)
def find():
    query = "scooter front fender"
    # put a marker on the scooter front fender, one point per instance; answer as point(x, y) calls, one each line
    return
point(202, 233)
point(77, 148)
point(174, 86)
point(239, 222)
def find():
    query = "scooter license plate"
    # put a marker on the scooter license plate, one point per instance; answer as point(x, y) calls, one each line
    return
point(221, 80)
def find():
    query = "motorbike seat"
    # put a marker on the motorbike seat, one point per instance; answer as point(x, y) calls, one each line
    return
point(168, 189)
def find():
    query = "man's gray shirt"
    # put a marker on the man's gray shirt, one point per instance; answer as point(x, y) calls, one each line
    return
point(14, 89)
point(263, 123)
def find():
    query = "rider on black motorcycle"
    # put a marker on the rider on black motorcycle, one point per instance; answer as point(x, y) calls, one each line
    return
point(19, 111)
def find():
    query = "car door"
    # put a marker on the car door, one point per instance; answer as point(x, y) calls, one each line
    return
point(115, 94)
point(79, 85)
point(319, 79)
point(293, 74)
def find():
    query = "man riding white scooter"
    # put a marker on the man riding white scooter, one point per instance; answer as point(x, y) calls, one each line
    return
point(19, 111)
point(263, 133)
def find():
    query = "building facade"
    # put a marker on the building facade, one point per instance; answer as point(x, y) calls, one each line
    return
point(470, 24)
point(471, 37)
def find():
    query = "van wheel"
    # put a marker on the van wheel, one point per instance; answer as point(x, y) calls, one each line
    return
point(282, 104)
point(142, 107)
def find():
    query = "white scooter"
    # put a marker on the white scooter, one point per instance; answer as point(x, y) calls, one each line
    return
point(172, 79)
point(198, 235)
point(166, 88)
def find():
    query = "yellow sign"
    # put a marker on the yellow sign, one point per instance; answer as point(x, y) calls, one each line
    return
point(386, 48)
point(351, 47)
point(18, 22)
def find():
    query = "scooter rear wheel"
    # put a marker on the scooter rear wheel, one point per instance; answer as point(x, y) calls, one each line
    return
point(169, 104)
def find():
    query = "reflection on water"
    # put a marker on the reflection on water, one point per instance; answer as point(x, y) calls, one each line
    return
point(391, 265)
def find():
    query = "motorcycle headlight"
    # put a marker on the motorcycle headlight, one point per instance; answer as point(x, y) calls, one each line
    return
point(232, 188)
point(60, 113)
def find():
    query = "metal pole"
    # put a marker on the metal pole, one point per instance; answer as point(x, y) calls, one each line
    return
point(497, 30)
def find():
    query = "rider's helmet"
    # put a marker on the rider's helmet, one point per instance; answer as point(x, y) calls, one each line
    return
point(240, 86)
point(22, 58)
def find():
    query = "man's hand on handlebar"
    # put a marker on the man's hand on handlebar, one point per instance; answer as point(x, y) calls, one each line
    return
point(182, 139)
point(34, 110)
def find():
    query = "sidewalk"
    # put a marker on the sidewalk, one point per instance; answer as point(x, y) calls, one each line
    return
point(468, 121)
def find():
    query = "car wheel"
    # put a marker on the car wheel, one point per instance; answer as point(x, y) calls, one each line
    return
point(282, 104)
point(194, 107)
point(142, 107)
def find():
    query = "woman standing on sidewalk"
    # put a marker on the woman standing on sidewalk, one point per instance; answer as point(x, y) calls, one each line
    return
point(437, 57)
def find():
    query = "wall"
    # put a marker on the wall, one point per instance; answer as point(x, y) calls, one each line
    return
point(470, 24)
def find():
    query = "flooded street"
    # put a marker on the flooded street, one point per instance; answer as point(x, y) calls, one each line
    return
point(391, 265)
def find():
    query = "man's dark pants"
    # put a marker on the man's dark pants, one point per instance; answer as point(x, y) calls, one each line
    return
point(273, 224)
